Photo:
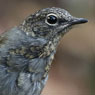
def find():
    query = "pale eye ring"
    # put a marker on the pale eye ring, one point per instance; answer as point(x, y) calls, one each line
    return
point(51, 19)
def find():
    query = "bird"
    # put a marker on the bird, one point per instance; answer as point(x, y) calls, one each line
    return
point(27, 50)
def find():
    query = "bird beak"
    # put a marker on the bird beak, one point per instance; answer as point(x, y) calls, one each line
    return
point(78, 21)
point(74, 21)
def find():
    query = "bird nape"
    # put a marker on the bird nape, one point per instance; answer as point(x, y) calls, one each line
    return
point(27, 51)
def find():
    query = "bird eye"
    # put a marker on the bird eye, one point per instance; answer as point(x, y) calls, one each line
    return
point(51, 19)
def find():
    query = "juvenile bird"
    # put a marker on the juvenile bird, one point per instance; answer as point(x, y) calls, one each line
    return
point(27, 51)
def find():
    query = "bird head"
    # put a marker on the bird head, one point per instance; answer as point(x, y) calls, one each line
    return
point(50, 23)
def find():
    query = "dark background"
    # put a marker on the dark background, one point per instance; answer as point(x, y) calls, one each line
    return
point(73, 70)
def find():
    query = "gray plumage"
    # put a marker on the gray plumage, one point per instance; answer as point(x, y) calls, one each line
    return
point(27, 51)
